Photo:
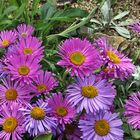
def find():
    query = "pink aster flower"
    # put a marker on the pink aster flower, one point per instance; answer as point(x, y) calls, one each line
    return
point(132, 110)
point(44, 82)
point(79, 56)
point(62, 109)
point(102, 125)
point(12, 91)
point(37, 118)
point(91, 94)
point(30, 46)
point(11, 121)
point(7, 38)
point(24, 30)
point(135, 27)
point(23, 68)
point(118, 62)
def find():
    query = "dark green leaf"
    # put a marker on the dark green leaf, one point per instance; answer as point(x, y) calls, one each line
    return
point(9, 9)
point(20, 10)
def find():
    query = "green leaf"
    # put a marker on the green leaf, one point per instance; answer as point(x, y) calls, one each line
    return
point(9, 10)
point(121, 15)
point(47, 10)
point(44, 137)
point(20, 10)
point(74, 12)
point(4, 22)
point(122, 31)
point(126, 22)
point(35, 7)
point(105, 10)
point(135, 134)
point(96, 21)
point(126, 128)
point(69, 14)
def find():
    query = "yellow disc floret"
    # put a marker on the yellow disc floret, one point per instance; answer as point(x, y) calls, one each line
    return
point(41, 87)
point(113, 57)
point(102, 127)
point(10, 124)
point(37, 113)
point(5, 42)
point(77, 58)
point(23, 70)
point(61, 111)
point(27, 51)
point(89, 91)
point(11, 94)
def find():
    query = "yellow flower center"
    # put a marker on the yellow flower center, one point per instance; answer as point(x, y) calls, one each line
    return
point(113, 57)
point(38, 113)
point(61, 111)
point(41, 87)
point(89, 91)
point(23, 70)
point(11, 94)
point(5, 42)
point(27, 51)
point(77, 58)
point(102, 127)
point(24, 34)
point(10, 124)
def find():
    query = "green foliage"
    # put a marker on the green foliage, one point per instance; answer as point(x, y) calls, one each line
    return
point(108, 20)
point(44, 137)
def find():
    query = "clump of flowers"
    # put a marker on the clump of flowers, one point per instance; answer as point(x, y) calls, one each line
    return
point(33, 101)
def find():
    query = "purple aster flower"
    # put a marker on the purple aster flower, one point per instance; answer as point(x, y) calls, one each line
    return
point(11, 121)
point(24, 30)
point(13, 91)
point(29, 46)
point(37, 118)
point(102, 125)
point(7, 38)
point(91, 94)
point(122, 65)
point(135, 27)
point(23, 68)
point(44, 82)
point(62, 109)
point(132, 110)
point(79, 56)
